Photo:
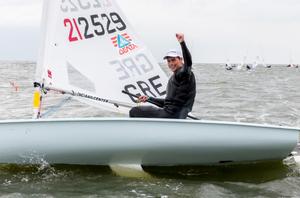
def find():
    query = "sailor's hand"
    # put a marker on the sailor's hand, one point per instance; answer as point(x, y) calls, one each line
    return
point(143, 99)
point(180, 37)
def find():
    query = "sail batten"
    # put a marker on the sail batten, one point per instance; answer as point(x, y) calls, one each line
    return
point(90, 48)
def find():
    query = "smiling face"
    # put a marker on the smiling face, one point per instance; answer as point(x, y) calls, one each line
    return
point(174, 63)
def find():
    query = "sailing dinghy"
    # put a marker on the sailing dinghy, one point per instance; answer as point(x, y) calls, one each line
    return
point(90, 51)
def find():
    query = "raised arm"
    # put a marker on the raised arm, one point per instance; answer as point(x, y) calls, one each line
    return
point(187, 58)
point(186, 55)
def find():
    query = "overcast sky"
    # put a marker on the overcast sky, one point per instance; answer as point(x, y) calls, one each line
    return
point(216, 30)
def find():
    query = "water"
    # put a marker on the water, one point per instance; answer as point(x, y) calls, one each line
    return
point(264, 96)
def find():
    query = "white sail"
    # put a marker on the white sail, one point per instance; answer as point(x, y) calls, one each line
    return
point(241, 65)
point(256, 62)
point(89, 48)
point(264, 63)
point(228, 65)
point(291, 60)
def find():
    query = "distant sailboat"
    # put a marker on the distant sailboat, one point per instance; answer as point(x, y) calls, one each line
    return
point(254, 64)
point(265, 65)
point(292, 65)
point(228, 65)
point(241, 65)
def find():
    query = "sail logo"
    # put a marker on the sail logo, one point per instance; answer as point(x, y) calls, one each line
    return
point(49, 74)
point(124, 43)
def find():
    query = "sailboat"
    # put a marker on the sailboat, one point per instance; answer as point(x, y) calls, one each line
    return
point(241, 65)
point(265, 65)
point(254, 65)
point(228, 65)
point(256, 62)
point(292, 64)
point(91, 52)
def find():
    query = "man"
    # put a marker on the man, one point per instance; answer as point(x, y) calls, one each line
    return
point(181, 88)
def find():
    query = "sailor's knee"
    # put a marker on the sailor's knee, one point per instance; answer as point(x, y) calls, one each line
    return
point(133, 112)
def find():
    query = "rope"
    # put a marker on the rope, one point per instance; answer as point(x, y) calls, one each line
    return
point(55, 108)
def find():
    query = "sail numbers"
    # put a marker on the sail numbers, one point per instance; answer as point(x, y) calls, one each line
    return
point(139, 66)
point(150, 87)
point(77, 5)
point(95, 25)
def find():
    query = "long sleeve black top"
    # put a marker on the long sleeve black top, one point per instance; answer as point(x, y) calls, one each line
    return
point(181, 88)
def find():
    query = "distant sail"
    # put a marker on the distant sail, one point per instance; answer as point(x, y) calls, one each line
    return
point(291, 61)
point(256, 62)
point(264, 63)
point(241, 65)
point(228, 65)
point(88, 47)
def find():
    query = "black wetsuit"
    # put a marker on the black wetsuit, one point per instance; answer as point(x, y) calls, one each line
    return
point(181, 92)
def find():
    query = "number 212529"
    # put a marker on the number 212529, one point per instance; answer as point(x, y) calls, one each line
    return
point(95, 25)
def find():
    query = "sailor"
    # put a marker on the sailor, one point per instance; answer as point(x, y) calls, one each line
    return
point(181, 88)
point(228, 67)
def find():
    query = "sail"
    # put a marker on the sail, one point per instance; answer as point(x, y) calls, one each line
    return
point(89, 48)
point(228, 65)
point(256, 62)
point(241, 65)
point(291, 60)
point(263, 62)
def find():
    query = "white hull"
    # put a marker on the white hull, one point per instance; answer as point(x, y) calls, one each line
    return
point(155, 142)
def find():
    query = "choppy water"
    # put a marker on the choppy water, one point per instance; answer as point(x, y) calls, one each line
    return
point(265, 96)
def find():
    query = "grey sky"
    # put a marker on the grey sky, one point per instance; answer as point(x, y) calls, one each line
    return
point(216, 30)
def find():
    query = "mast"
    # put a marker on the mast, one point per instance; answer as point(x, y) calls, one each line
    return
point(38, 95)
